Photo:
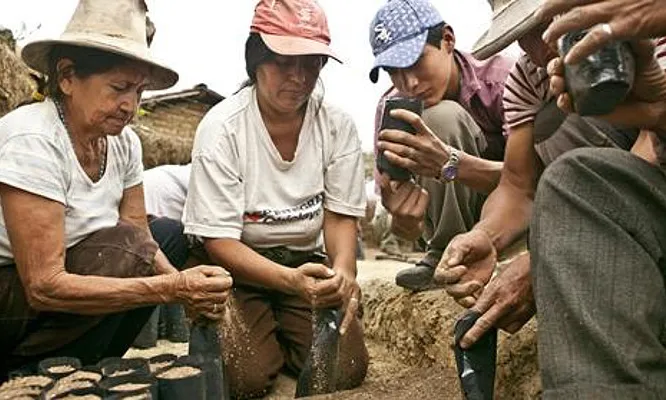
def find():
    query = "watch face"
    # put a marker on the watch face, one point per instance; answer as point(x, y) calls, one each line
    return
point(450, 172)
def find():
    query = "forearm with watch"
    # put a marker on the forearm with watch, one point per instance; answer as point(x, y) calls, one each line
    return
point(479, 174)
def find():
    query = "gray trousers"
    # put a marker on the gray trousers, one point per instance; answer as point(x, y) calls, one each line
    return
point(598, 243)
point(455, 208)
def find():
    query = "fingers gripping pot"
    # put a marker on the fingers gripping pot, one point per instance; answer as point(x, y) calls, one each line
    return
point(601, 81)
point(389, 122)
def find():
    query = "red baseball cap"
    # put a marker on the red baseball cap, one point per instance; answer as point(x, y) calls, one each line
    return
point(293, 27)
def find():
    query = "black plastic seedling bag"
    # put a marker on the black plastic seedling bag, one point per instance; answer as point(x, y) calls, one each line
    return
point(183, 380)
point(601, 81)
point(205, 343)
point(58, 367)
point(320, 374)
point(476, 365)
point(129, 385)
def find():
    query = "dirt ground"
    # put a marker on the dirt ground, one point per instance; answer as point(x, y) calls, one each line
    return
point(408, 338)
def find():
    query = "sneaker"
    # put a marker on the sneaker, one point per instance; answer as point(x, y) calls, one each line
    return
point(419, 277)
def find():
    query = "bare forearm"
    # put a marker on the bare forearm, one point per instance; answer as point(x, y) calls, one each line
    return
point(340, 233)
point(479, 174)
point(248, 266)
point(506, 216)
point(95, 295)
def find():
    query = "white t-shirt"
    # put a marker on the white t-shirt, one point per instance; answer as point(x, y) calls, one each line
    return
point(36, 156)
point(241, 188)
point(165, 189)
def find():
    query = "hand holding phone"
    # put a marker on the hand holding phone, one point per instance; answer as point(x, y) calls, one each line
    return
point(389, 122)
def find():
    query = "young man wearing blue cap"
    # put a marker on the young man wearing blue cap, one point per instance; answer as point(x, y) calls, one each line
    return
point(462, 130)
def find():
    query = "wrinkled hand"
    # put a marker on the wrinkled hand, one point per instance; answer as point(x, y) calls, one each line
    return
point(466, 266)
point(645, 106)
point(628, 19)
point(203, 290)
point(341, 290)
point(304, 280)
point(407, 203)
point(506, 303)
point(423, 153)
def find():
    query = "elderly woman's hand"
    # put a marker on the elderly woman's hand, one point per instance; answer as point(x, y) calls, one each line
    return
point(204, 290)
point(422, 153)
point(646, 105)
point(627, 20)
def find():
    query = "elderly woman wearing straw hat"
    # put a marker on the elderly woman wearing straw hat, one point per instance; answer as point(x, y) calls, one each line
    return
point(79, 269)
point(274, 167)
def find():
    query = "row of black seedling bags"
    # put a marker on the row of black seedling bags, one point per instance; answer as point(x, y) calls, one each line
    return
point(165, 377)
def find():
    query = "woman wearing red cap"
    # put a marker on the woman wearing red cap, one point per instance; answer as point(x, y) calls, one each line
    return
point(274, 168)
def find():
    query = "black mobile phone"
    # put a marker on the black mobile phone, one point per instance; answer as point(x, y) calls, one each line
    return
point(388, 122)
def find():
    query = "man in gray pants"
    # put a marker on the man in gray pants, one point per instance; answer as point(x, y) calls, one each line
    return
point(465, 127)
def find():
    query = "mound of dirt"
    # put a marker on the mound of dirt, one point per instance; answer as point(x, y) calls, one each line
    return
point(419, 329)
point(16, 84)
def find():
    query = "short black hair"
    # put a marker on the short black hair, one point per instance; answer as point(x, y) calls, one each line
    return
point(257, 53)
point(436, 34)
point(86, 62)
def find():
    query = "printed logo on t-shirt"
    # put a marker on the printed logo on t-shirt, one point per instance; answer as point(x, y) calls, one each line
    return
point(308, 210)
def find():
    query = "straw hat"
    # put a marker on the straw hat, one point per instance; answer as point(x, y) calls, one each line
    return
point(117, 26)
point(511, 20)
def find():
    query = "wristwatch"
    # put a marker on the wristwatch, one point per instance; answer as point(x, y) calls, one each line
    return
point(450, 168)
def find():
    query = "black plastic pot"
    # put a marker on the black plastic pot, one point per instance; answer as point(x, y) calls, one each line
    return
point(125, 366)
point(598, 83)
point(205, 342)
point(177, 329)
point(91, 391)
point(161, 362)
point(60, 388)
point(476, 365)
point(122, 385)
point(186, 387)
point(58, 367)
point(147, 337)
point(320, 374)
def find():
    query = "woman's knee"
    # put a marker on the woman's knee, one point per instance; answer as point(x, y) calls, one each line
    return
point(252, 372)
point(122, 251)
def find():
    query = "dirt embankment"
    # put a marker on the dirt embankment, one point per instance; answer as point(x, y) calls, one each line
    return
point(16, 84)
point(418, 329)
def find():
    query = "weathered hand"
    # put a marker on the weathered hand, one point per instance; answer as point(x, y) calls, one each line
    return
point(341, 290)
point(466, 266)
point(423, 153)
point(628, 20)
point(645, 106)
point(407, 203)
point(306, 277)
point(203, 290)
point(507, 302)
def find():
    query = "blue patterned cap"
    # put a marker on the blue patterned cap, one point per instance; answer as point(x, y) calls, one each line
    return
point(399, 31)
